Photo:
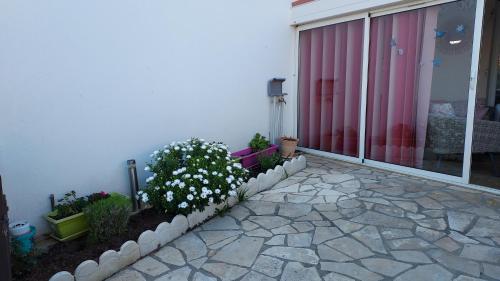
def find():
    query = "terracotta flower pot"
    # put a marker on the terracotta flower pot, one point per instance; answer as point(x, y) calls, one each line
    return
point(288, 146)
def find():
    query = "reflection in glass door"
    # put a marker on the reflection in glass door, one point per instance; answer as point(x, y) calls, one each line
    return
point(329, 90)
point(485, 165)
point(418, 85)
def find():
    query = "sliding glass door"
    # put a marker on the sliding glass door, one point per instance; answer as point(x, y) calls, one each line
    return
point(329, 87)
point(395, 89)
point(418, 87)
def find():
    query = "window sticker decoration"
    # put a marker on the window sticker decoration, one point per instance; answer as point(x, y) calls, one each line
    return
point(439, 33)
point(436, 62)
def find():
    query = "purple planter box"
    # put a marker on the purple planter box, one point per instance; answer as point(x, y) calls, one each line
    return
point(249, 159)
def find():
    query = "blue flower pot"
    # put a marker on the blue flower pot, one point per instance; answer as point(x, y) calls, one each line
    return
point(26, 241)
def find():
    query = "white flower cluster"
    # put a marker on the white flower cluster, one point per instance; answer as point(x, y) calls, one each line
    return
point(191, 174)
point(143, 196)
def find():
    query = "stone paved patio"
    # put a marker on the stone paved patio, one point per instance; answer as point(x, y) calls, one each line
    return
point(339, 221)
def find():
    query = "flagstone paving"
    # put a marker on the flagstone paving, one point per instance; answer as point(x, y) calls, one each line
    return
point(340, 221)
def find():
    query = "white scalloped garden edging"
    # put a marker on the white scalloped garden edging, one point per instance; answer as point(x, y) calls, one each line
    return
point(149, 241)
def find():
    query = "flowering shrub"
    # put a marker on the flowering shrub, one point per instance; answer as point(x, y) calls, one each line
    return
point(189, 175)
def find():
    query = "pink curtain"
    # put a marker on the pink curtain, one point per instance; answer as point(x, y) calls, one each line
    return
point(399, 86)
point(330, 64)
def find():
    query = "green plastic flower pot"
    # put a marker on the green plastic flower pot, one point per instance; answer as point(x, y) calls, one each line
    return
point(68, 228)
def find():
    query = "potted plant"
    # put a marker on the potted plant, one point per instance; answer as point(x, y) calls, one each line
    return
point(258, 145)
point(19, 228)
point(67, 220)
point(288, 146)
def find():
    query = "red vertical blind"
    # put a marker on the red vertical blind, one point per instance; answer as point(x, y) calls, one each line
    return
point(330, 70)
point(402, 48)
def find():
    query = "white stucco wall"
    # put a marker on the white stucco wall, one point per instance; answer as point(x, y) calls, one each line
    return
point(86, 85)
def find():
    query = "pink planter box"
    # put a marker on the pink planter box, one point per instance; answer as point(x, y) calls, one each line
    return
point(249, 159)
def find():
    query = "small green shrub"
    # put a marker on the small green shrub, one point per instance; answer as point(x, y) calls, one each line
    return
point(108, 217)
point(222, 211)
point(242, 195)
point(258, 143)
point(267, 162)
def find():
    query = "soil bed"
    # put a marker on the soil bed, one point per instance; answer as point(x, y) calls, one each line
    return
point(68, 255)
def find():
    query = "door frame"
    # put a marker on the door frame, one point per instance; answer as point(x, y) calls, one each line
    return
point(358, 16)
point(471, 104)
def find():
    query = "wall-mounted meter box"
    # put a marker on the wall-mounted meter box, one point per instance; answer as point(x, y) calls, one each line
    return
point(275, 87)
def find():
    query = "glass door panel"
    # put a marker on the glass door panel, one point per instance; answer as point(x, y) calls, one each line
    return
point(418, 84)
point(485, 165)
point(329, 87)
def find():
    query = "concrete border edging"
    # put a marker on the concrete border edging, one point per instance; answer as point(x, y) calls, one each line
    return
point(149, 241)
